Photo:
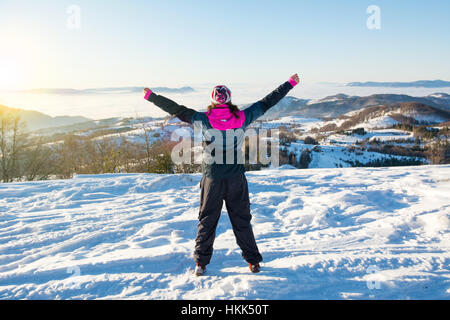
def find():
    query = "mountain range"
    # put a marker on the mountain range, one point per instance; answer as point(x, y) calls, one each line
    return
point(36, 120)
point(334, 106)
point(327, 108)
point(387, 115)
point(414, 84)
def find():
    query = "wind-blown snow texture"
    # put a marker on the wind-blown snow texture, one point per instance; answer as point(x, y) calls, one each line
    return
point(323, 233)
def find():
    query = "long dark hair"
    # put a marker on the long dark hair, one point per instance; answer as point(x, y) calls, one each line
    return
point(233, 108)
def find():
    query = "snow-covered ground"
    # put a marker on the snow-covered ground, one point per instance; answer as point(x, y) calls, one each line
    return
point(353, 233)
point(304, 123)
point(384, 135)
point(332, 156)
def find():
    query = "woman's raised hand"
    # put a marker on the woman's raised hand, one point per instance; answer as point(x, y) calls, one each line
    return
point(295, 78)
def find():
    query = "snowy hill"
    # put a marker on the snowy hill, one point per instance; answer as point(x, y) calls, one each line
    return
point(336, 105)
point(287, 106)
point(439, 98)
point(385, 116)
point(354, 233)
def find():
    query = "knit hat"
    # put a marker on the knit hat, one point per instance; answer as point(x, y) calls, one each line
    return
point(220, 95)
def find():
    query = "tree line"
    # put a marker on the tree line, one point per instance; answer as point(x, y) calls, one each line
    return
point(26, 157)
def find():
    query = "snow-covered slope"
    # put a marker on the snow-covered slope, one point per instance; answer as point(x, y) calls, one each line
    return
point(324, 234)
point(385, 116)
point(333, 156)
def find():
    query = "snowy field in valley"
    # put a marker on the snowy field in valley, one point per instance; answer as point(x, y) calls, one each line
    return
point(352, 233)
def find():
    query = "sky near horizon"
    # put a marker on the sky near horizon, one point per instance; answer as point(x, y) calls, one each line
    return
point(177, 43)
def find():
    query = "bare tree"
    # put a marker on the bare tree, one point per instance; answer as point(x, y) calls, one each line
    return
point(40, 160)
point(68, 156)
point(13, 141)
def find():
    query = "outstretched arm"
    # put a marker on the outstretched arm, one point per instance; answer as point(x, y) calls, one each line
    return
point(181, 112)
point(257, 109)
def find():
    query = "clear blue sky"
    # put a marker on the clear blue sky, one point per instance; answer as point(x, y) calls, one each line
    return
point(173, 43)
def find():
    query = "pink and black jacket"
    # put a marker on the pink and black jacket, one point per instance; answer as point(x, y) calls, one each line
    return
point(220, 119)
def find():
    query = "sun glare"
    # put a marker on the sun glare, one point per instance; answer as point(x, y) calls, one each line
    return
point(10, 74)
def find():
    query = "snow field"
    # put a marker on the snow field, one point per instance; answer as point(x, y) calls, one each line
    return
point(352, 233)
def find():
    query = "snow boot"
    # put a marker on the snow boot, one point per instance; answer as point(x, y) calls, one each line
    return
point(255, 268)
point(199, 269)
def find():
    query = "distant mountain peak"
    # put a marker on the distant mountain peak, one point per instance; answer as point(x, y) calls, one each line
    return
point(334, 98)
point(339, 104)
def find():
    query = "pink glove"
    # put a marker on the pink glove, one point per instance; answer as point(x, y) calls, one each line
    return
point(147, 95)
point(292, 82)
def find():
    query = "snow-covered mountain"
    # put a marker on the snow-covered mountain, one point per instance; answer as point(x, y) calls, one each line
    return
point(440, 99)
point(286, 107)
point(385, 116)
point(328, 107)
point(356, 233)
point(336, 105)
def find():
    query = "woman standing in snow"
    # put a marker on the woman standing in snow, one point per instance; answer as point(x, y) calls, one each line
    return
point(224, 181)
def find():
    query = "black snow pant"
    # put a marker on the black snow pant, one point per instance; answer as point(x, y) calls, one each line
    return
point(235, 193)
